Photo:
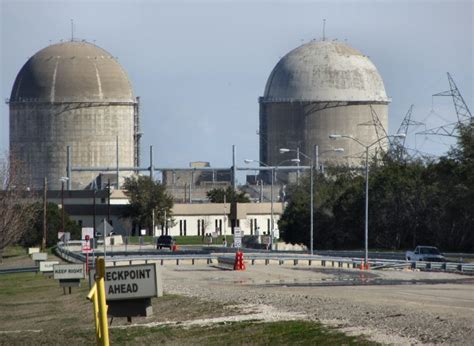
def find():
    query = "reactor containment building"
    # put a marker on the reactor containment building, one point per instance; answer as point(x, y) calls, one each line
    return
point(318, 89)
point(72, 94)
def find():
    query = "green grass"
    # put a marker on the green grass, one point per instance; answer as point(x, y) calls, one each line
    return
point(238, 333)
point(14, 251)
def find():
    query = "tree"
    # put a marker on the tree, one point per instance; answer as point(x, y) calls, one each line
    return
point(147, 198)
point(16, 208)
point(34, 234)
point(217, 196)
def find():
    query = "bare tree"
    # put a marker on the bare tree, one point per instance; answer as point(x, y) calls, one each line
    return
point(17, 207)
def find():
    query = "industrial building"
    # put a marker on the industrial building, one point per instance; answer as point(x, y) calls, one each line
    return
point(87, 207)
point(72, 94)
point(318, 89)
point(193, 184)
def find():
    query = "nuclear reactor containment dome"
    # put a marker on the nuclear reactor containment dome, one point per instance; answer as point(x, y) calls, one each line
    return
point(318, 89)
point(72, 94)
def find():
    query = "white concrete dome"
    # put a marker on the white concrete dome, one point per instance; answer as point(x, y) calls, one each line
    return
point(322, 71)
point(72, 72)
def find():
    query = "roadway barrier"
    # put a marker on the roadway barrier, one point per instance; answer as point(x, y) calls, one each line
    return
point(267, 258)
point(226, 262)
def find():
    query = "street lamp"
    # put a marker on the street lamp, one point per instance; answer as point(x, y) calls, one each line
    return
point(314, 159)
point(63, 180)
point(247, 161)
point(366, 147)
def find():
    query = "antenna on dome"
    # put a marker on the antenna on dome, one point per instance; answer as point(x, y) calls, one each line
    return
point(324, 29)
point(72, 30)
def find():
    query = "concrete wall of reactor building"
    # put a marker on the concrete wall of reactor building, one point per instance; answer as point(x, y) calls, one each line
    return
point(301, 125)
point(41, 132)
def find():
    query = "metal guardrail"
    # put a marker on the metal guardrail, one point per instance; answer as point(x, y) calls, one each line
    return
point(271, 258)
point(19, 270)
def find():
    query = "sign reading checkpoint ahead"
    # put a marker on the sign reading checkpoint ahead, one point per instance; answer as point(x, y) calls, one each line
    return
point(133, 282)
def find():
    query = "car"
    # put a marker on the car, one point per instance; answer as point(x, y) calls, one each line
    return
point(165, 241)
point(425, 253)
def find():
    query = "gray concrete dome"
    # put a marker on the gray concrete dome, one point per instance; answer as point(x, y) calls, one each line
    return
point(70, 72)
point(322, 71)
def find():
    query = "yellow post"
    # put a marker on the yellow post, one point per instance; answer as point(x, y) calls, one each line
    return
point(95, 300)
point(104, 326)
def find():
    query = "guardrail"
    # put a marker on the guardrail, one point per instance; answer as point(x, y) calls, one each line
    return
point(19, 270)
point(267, 259)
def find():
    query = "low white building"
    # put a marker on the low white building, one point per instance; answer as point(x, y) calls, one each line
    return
point(188, 219)
point(203, 218)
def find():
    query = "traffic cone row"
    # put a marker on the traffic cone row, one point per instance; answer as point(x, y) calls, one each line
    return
point(239, 261)
point(364, 266)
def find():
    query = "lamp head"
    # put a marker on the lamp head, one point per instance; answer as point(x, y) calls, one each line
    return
point(399, 135)
point(284, 150)
point(334, 136)
point(248, 161)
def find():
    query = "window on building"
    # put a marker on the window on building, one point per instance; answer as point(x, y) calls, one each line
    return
point(268, 226)
point(102, 200)
point(199, 227)
point(184, 227)
point(79, 222)
point(220, 226)
point(180, 227)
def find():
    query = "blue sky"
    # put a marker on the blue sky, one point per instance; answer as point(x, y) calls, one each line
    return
point(200, 66)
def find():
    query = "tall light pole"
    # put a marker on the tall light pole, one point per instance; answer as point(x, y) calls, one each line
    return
point(314, 162)
point(63, 180)
point(271, 193)
point(366, 147)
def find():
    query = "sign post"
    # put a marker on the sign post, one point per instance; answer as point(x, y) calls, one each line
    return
point(86, 249)
point(237, 237)
point(69, 275)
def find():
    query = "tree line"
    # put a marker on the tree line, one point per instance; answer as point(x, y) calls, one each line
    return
point(411, 202)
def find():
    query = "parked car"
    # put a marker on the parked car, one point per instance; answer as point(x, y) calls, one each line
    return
point(425, 253)
point(165, 241)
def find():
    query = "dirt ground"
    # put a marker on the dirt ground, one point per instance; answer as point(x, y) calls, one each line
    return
point(395, 307)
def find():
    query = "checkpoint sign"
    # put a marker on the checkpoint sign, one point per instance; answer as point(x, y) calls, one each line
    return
point(133, 282)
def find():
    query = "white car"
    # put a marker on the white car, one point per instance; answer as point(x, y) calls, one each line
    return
point(425, 253)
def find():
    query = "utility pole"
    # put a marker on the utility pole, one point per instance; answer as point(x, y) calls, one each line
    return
point(45, 222)
point(62, 205)
point(108, 201)
point(94, 213)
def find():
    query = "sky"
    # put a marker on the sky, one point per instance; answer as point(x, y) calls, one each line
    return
point(200, 66)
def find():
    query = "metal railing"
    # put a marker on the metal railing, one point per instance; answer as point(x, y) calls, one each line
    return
point(267, 259)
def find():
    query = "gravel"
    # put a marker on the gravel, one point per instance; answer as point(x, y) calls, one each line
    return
point(390, 307)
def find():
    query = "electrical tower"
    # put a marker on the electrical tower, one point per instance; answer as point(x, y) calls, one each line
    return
point(462, 111)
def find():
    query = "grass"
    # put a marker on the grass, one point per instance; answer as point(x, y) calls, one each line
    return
point(237, 333)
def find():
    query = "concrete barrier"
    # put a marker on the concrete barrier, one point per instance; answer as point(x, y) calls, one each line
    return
point(226, 262)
